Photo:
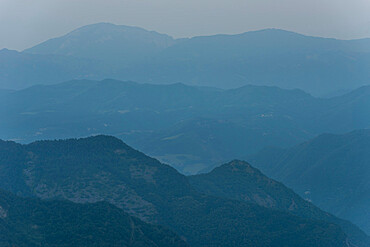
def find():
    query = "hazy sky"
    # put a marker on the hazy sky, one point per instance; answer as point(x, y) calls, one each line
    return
point(24, 23)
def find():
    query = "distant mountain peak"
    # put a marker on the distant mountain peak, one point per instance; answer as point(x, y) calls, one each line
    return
point(238, 166)
point(275, 31)
point(106, 26)
point(106, 42)
point(7, 51)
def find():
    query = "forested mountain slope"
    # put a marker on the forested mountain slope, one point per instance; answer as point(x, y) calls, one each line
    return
point(238, 180)
point(332, 171)
point(36, 223)
point(104, 168)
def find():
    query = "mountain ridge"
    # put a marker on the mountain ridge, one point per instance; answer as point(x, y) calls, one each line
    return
point(106, 42)
point(238, 180)
point(268, 57)
point(331, 170)
point(189, 127)
point(104, 168)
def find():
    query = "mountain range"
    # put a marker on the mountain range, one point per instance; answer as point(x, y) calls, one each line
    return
point(191, 128)
point(103, 168)
point(273, 57)
point(332, 171)
point(270, 97)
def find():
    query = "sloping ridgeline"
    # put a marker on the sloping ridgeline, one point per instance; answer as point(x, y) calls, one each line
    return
point(104, 168)
point(238, 180)
point(332, 171)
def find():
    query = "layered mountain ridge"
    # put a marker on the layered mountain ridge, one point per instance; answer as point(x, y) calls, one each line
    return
point(104, 168)
point(191, 128)
point(267, 57)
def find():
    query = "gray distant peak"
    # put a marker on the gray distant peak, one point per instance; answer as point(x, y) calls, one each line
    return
point(113, 44)
point(109, 27)
point(274, 31)
point(7, 51)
